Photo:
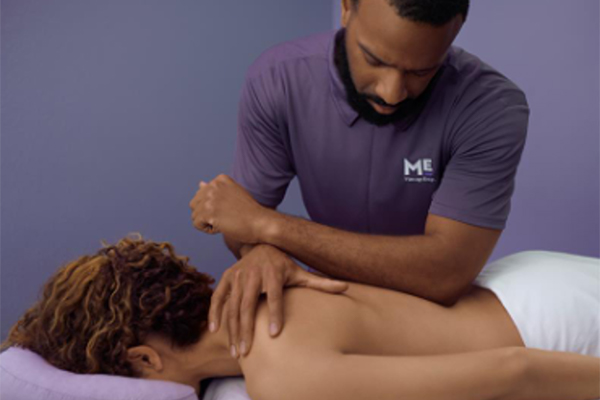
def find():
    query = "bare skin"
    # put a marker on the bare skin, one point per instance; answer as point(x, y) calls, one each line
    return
point(335, 347)
point(369, 320)
point(370, 342)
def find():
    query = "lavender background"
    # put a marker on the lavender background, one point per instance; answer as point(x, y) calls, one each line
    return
point(113, 111)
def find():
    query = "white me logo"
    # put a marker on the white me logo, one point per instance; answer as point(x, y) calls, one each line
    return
point(419, 171)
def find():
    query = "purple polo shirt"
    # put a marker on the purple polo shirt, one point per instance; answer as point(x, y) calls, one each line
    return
point(457, 158)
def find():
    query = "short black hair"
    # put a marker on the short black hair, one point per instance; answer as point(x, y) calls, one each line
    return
point(433, 12)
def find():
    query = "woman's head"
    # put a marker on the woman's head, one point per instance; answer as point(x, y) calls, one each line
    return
point(94, 308)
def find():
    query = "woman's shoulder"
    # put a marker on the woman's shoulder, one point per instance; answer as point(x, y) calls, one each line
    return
point(311, 317)
point(314, 321)
point(301, 302)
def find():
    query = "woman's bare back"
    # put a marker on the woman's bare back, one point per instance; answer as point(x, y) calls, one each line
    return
point(376, 321)
point(375, 343)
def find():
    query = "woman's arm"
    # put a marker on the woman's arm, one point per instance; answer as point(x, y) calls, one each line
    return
point(558, 375)
point(505, 373)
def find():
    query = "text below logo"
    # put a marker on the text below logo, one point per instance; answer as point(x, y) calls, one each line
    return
point(419, 171)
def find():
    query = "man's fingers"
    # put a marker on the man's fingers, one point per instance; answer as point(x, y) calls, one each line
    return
point(207, 228)
point(202, 224)
point(216, 303)
point(275, 303)
point(233, 313)
point(202, 216)
point(203, 211)
point(248, 312)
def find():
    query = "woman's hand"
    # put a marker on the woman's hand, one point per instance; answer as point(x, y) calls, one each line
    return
point(264, 269)
point(223, 206)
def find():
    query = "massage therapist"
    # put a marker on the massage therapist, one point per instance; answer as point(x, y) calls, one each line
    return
point(405, 148)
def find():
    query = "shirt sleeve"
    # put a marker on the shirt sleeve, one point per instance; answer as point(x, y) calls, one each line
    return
point(488, 138)
point(262, 162)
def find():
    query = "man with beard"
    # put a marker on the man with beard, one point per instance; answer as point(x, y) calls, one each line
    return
point(405, 148)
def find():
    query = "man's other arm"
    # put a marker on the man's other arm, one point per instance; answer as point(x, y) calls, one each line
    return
point(439, 265)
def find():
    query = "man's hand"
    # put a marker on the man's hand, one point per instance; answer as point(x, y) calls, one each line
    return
point(223, 206)
point(264, 269)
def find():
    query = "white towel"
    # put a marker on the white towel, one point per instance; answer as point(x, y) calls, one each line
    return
point(553, 298)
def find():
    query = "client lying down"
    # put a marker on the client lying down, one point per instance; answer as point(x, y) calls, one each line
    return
point(137, 309)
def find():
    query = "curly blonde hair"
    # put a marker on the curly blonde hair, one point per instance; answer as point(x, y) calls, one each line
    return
point(94, 308)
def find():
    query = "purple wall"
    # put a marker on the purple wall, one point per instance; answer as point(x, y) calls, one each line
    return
point(112, 112)
point(550, 49)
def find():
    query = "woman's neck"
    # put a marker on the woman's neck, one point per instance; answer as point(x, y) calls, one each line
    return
point(209, 358)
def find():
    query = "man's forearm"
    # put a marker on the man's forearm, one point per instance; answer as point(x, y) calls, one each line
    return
point(238, 249)
point(414, 264)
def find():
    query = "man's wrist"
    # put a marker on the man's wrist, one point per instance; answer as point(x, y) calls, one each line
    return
point(245, 249)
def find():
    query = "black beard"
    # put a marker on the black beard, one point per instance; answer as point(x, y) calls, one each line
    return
point(358, 101)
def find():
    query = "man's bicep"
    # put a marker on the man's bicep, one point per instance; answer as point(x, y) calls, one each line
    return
point(470, 208)
point(468, 247)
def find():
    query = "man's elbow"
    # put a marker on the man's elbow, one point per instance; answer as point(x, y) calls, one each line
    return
point(443, 298)
point(460, 271)
point(454, 289)
point(449, 299)
point(446, 298)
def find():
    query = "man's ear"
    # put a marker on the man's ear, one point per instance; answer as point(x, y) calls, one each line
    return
point(347, 10)
point(145, 360)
